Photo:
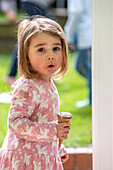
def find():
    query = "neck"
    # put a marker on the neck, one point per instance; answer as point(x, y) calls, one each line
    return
point(45, 78)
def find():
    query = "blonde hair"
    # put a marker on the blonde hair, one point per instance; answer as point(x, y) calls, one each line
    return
point(30, 27)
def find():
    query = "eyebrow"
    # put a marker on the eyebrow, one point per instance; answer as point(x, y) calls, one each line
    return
point(38, 45)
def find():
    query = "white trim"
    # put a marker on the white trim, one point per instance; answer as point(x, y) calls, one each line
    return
point(81, 150)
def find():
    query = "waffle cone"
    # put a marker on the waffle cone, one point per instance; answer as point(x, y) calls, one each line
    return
point(63, 117)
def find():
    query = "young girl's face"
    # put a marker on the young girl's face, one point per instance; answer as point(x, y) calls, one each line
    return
point(45, 54)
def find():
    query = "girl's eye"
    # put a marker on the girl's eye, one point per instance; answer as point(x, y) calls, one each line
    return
point(56, 49)
point(41, 50)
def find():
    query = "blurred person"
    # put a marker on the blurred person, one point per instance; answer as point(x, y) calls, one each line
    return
point(79, 24)
point(9, 8)
point(30, 8)
point(42, 7)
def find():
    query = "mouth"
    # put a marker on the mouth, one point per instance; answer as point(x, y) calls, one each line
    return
point(51, 66)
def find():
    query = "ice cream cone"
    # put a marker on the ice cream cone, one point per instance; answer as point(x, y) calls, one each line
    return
point(63, 117)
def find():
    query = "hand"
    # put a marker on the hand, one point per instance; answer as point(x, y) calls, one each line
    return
point(71, 46)
point(64, 158)
point(63, 130)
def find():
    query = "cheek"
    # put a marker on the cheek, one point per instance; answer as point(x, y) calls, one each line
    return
point(38, 64)
point(35, 63)
point(60, 59)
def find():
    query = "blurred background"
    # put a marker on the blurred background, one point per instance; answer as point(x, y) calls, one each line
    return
point(12, 11)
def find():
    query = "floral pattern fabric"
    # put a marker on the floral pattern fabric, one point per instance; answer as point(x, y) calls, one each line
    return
point(31, 141)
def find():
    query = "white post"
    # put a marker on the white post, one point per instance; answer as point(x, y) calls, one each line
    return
point(102, 75)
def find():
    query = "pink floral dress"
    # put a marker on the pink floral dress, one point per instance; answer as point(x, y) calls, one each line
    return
point(31, 142)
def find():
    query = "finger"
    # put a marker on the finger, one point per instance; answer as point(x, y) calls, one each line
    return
point(64, 137)
point(66, 133)
point(66, 124)
point(64, 158)
point(67, 128)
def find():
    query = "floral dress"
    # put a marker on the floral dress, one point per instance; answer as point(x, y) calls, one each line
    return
point(31, 142)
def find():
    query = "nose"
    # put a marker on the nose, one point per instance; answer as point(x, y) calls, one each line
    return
point(50, 56)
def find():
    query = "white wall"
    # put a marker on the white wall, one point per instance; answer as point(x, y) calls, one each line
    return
point(102, 106)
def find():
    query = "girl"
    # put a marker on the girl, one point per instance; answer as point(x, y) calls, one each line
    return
point(33, 133)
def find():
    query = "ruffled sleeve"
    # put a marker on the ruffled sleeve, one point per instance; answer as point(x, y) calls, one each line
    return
point(62, 150)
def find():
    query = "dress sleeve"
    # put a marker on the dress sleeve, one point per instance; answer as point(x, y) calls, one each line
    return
point(62, 150)
point(24, 102)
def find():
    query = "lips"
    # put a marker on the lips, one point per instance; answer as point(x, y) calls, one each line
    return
point(51, 65)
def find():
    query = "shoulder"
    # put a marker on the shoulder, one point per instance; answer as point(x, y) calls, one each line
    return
point(25, 85)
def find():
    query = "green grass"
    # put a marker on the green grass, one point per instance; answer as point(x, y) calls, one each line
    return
point(4, 108)
point(72, 88)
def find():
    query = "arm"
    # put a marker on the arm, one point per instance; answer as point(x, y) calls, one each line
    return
point(24, 102)
point(9, 7)
point(75, 10)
